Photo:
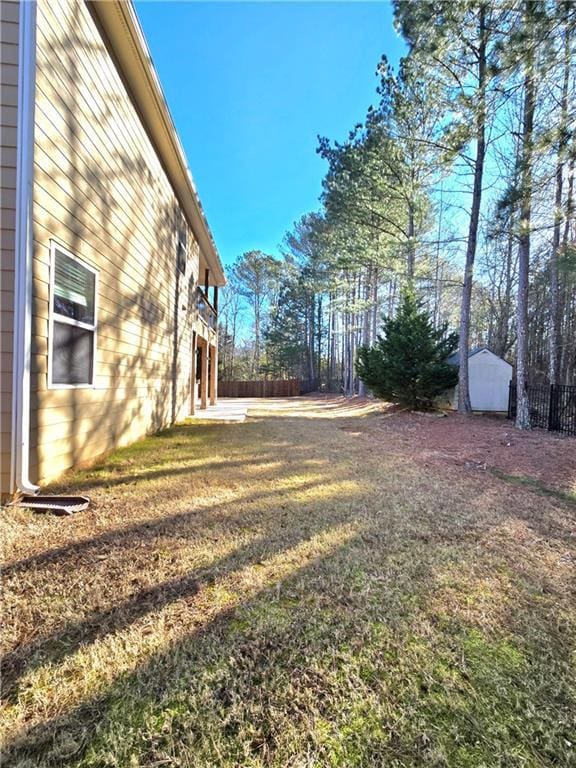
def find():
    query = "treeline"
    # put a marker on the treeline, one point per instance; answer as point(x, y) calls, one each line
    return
point(460, 182)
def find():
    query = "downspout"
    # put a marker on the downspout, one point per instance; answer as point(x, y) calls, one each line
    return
point(20, 463)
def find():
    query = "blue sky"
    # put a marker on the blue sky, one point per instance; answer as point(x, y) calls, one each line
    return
point(250, 86)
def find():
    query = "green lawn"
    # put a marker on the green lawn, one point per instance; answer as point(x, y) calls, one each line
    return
point(293, 591)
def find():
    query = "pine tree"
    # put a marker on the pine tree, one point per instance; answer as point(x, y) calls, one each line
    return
point(255, 276)
point(286, 349)
point(408, 364)
point(458, 43)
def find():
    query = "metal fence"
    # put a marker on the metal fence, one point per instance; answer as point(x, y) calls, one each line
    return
point(552, 406)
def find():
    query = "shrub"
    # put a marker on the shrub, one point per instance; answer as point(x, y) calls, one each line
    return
point(407, 364)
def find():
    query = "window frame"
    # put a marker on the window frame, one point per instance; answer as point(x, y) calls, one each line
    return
point(182, 251)
point(55, 317)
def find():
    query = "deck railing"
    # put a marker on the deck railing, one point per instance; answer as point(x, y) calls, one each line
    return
point(206, 311)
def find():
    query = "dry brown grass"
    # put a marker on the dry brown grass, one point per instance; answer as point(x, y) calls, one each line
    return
point(296, 590)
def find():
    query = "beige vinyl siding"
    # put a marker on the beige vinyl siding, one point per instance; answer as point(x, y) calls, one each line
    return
point(101, 192)
point(9, 12)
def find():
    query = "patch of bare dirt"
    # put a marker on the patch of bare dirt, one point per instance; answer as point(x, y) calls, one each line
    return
point(483, 443)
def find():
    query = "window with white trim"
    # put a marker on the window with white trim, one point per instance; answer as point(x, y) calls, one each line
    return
point(74, 287)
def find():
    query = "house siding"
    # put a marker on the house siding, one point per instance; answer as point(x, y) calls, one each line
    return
point(9, 13)
point(100, 190)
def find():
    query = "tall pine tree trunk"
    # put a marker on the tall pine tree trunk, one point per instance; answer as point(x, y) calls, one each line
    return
point(352, 342)
point(568, 347)
point(347, 337)
point(375, 304)
point(555, 336)
point(233, 358)
point(523, 410)
point(365, 323)
point(411, 260)
point(437, 283)
point(344, 346)
point(256, 358)
point(319, 340)
point(331, 342)
point(311, 338)
point(464, 340)
point(504, 332)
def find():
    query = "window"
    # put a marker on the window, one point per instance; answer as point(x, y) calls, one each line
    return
point(181, 250)
point(72, 320)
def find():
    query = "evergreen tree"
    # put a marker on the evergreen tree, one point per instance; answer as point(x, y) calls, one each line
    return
point(255, 276)
point(458, 43)
point(286, 349)
point(408, 362)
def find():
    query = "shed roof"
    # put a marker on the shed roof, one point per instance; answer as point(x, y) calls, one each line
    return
point(454, 358)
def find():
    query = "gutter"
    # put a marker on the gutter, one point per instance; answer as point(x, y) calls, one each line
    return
point(20, 463)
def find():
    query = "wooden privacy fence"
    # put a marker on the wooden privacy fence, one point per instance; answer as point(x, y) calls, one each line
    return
point(552, 406)
point(278, 388)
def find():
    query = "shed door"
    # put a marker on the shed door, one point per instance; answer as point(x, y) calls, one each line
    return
point(489, 382)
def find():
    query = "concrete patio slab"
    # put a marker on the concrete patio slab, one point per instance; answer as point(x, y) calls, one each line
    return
point(229, 409)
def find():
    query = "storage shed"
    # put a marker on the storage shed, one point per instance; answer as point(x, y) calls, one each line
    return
point(489, 379)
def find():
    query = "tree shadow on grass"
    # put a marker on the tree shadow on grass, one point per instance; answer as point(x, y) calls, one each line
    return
point(341, 659)
point(166, 674)
point(219, 517)
point(323, 606)
point(53, 647)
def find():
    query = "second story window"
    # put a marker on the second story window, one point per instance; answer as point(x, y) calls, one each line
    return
point(182, 251)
